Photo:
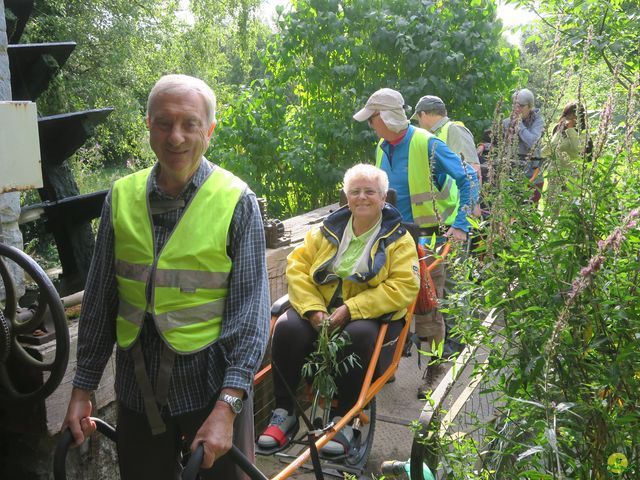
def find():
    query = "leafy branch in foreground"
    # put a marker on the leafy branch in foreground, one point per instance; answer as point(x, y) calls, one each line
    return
point(327, 363)
point(564, 277)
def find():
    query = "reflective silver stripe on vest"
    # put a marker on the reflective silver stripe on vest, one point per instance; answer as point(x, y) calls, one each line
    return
point(426, 220)
point(191, 279)
point(430, 220)
point(130, 313)
point(435, 195)
point(132, 271)
point(183, 279)
point(186, 316)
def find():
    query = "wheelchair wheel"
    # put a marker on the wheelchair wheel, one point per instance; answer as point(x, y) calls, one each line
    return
point(363, 436)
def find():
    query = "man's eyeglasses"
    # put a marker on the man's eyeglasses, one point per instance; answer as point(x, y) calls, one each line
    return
point(370, 120)
point(355, 192)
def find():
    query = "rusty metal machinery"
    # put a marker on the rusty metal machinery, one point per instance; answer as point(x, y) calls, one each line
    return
point(17, 325)
point(34, 335)
point(274, 232)
point(32, 68)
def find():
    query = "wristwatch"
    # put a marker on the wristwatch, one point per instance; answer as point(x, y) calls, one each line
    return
point(234, 402)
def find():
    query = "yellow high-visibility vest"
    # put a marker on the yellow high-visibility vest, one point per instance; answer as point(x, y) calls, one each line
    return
point(429, 206)
point(188, 278)
point(443, 132)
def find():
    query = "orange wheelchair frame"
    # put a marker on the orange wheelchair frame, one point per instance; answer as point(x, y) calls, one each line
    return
point(368, 391)
point(370, 388)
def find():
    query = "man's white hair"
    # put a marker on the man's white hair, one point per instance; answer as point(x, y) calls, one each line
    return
point(185, 83)
point(368, 172)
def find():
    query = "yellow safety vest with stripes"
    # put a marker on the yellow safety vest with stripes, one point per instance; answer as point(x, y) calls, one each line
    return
point(443, 132)
point(429, 206)
point(188, 279)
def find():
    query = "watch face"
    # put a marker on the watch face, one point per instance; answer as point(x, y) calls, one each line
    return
point(237, 405)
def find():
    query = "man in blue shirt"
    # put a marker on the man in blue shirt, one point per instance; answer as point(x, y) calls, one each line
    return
point(399, 152)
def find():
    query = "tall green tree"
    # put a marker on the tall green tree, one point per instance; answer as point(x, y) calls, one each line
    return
point(123, 47)
point(607, 30)
point(119, 48)
point(329, 55)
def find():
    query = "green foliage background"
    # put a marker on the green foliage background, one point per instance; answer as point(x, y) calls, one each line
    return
point(286, 97)
point(564, 276)
point(570, 379)
point(328, 56)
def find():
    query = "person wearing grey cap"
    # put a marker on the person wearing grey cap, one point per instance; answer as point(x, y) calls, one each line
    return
point(523, 130)
point(435, 189)
point(431, 114)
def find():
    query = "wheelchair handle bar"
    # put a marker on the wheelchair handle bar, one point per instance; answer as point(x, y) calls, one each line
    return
point(190, 471)
point(60, 456)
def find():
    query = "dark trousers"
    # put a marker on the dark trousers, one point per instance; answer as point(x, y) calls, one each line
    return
point(293, 341)
point(142, 455)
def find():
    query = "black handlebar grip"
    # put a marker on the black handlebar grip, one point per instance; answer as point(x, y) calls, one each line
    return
point(60, 456)
point(247, 467)
point(190, 471)
point(66, 439)
point(193, 465)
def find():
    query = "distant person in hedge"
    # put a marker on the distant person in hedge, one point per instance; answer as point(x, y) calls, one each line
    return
point(358, 266)
point(569, 142)
point(431, 114)
point(568, 147)
point(523, 132)
point(435, 190)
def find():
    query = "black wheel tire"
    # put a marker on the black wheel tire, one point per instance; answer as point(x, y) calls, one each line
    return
point(49, 298)
point(5, 338)
point(424, 450)
point(360, 455)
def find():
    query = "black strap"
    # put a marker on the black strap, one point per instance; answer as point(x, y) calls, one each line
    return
point(150, 406)
point(164, 375)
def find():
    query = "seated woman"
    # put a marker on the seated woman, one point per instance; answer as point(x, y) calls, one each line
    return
point(360, 264)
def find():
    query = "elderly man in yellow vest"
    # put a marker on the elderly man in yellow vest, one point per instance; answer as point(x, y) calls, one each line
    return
point(179, 283)
point(435, 189)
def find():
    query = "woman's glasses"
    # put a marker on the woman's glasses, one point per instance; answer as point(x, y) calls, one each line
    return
point(355, 192)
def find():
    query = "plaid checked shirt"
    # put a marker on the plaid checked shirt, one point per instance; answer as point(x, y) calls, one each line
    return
point(230, 362)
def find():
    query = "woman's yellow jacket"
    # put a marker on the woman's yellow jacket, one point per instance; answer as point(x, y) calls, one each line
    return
point(390, 285)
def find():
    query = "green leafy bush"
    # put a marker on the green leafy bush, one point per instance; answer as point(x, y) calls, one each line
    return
point(565, 278)
point(291, 135)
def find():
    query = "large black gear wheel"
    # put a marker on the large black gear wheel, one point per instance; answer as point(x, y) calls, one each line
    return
point(5, 338)
point(12, 325)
